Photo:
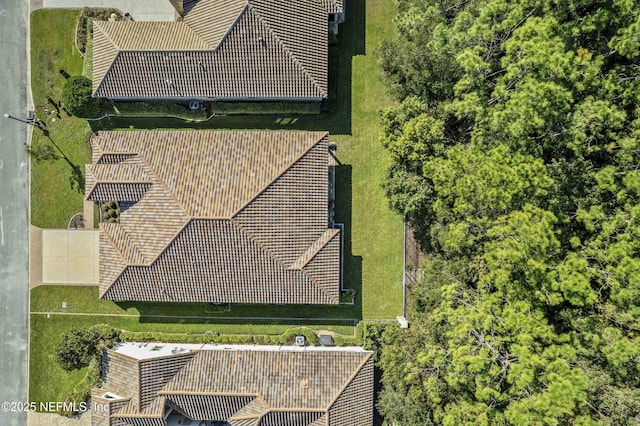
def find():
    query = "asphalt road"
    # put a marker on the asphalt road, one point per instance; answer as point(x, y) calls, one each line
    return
point(14, 193)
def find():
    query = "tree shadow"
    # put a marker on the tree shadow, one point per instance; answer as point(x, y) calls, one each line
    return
point(337, 118)
point(76, 177)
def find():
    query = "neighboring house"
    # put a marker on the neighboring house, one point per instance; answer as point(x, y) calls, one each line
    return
point(216, 216)
point(176, 384)
point(220, 50)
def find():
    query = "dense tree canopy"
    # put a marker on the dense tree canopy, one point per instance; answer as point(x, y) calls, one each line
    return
point(516, 157)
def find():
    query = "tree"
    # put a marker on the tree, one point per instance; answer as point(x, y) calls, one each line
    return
point(80, 345)
point(516, 157)
point(76, 97)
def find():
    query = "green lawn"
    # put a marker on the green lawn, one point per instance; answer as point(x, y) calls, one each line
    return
point(83, 299)
point(56, 187)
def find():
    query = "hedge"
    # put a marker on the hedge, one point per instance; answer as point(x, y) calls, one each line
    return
point(266, 108)
point(150, 109)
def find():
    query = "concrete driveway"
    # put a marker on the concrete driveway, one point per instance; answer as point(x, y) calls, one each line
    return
point(140, 10)
point(61, 256)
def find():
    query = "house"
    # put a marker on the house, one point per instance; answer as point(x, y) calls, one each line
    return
point(216, 216)
point(180, 384)
point(218, 50)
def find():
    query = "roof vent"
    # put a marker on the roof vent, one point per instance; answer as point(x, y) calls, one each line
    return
point(300, 340)
point(109, 395)
point(304, 384)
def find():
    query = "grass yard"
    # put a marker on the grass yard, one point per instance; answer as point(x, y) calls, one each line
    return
point(49, 298)
point(56, 186)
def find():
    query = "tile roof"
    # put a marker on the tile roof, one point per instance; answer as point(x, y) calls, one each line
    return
point(333, 6)
point(217, 216)
point(222, 49)
point(257, 386)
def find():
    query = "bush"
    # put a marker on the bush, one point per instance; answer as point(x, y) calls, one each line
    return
point(155, 109)
point(267, 108)
point(76, 97)
point(82, 390)
point(289, 335)
point(85, 23)
point(80, 345)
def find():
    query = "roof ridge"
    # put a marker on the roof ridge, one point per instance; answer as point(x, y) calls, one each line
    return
point(258, 400)
point(105, 33)
point(136, 252)
point(204, 393)
point(285, 170)
point(286, 49)
point(97, 24)
point(90, 177)
point(162, 184)
point(212, 48)
point(254, 240)
point(243, 11)
point(169, 242)
point(124, 265)
point(349, 380)
point(315, 248)
point(115, 58)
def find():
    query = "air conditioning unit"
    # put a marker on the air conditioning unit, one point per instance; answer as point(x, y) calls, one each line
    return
point(300, 340)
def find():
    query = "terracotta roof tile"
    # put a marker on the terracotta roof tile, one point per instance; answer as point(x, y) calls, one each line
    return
point(249, 205)
point(213, 19)
point(236, 49)
point(251, 412)
point(246, 387)
point(285, 380)
point(333, 6)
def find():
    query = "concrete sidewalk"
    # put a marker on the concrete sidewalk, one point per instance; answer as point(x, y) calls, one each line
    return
point(140, 10)
point(61, 256)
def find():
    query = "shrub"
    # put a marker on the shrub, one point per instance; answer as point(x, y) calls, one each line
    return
point(76, 97)
point(80, 345)
point(82, 390)
point(290, 334)
point(267, 108)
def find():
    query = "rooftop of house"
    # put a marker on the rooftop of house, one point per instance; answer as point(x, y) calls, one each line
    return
point(215, 216)
point(243, 385)
point(220, 49)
